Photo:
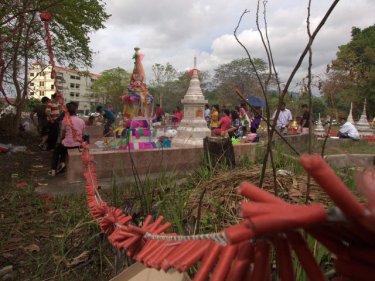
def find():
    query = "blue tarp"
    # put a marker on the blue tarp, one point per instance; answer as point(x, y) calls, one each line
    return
point(255, 101)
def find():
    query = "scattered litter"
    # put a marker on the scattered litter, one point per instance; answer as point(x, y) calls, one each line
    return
point(42, 183)
point(17, 148)
point(100, 144)
point(284, 173)
point(37, 166)
point(4, 148)
point(12, 148)
point(21, 184)
point(14, 176)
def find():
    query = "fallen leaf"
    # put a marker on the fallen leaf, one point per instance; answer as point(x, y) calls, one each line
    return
point(32, 248)
point(79, 259)
point(7, 255)
point(42, 183)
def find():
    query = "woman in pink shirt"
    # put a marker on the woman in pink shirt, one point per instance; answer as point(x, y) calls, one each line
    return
point(224, 124)
point(71, 135)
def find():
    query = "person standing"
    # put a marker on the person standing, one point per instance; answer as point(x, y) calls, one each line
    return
point(53, 114)
point(285, 117)
point(109, 119)
point(159, 113)
point(43, 126)
point(306, 119)
point(72, 132)
point(214, 117)
point(255, 120)
point(347, 130)
point(207, 115)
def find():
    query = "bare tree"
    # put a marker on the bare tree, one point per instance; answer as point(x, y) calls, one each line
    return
point(284, 91)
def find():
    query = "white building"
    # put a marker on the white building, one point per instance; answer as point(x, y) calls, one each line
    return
point(73, 84)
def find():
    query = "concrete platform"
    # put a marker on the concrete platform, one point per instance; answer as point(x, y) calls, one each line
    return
point(122, 163)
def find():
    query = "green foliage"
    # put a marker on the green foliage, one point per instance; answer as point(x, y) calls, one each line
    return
point(162, 84)
point(237, 73)
point(31, 104)
point(351, 76)
point(24, 35)
point(110, 86)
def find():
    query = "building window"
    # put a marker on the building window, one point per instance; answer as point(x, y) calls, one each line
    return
point(31, 74)
point(78, 77)
point(72, 77)
point(77, 94)
point(41, 83)
point(31, 84)
point(42, 93)
point(77, 86)
point(71, 94)
point(71, 85)
point(52, 87)
point(31, 93)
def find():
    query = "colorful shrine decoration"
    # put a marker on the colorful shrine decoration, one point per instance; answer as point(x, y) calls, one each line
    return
point(137, 100)
point(243, 251)
point(136, 132)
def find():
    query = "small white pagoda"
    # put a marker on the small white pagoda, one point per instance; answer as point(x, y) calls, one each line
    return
point(319, 130)
point(350, 116)
point(363, 125)
point(193, 127)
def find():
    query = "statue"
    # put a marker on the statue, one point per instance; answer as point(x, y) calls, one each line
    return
point(137, 101)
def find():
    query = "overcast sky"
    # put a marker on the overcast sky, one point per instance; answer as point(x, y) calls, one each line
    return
point(174, 31)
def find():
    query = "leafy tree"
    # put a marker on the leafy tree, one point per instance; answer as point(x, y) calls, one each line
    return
point(351, 76)
point(163, 76)
point(237, 73)
point(23, 34)
point(110, 86)
point(177, 89)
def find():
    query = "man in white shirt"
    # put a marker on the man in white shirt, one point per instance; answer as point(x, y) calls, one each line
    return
point(347, 130)
point(284, 118)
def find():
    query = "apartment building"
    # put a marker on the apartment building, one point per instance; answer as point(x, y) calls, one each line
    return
point(73, 84)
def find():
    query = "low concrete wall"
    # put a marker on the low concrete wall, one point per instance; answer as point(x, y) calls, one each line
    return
point(350, 160)
point(146, 161)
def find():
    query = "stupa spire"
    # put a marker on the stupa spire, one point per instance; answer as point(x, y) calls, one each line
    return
point(350, 116)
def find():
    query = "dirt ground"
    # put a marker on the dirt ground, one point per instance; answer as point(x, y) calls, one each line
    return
point(43, 237)
point(31, 165)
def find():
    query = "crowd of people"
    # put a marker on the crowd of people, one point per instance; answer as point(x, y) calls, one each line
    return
point(234, 123)
point(59, 135)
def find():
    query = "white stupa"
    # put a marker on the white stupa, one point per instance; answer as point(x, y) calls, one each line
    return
point(363, 125)
point(319, 130)
point(193, 127)
point(350, 116)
